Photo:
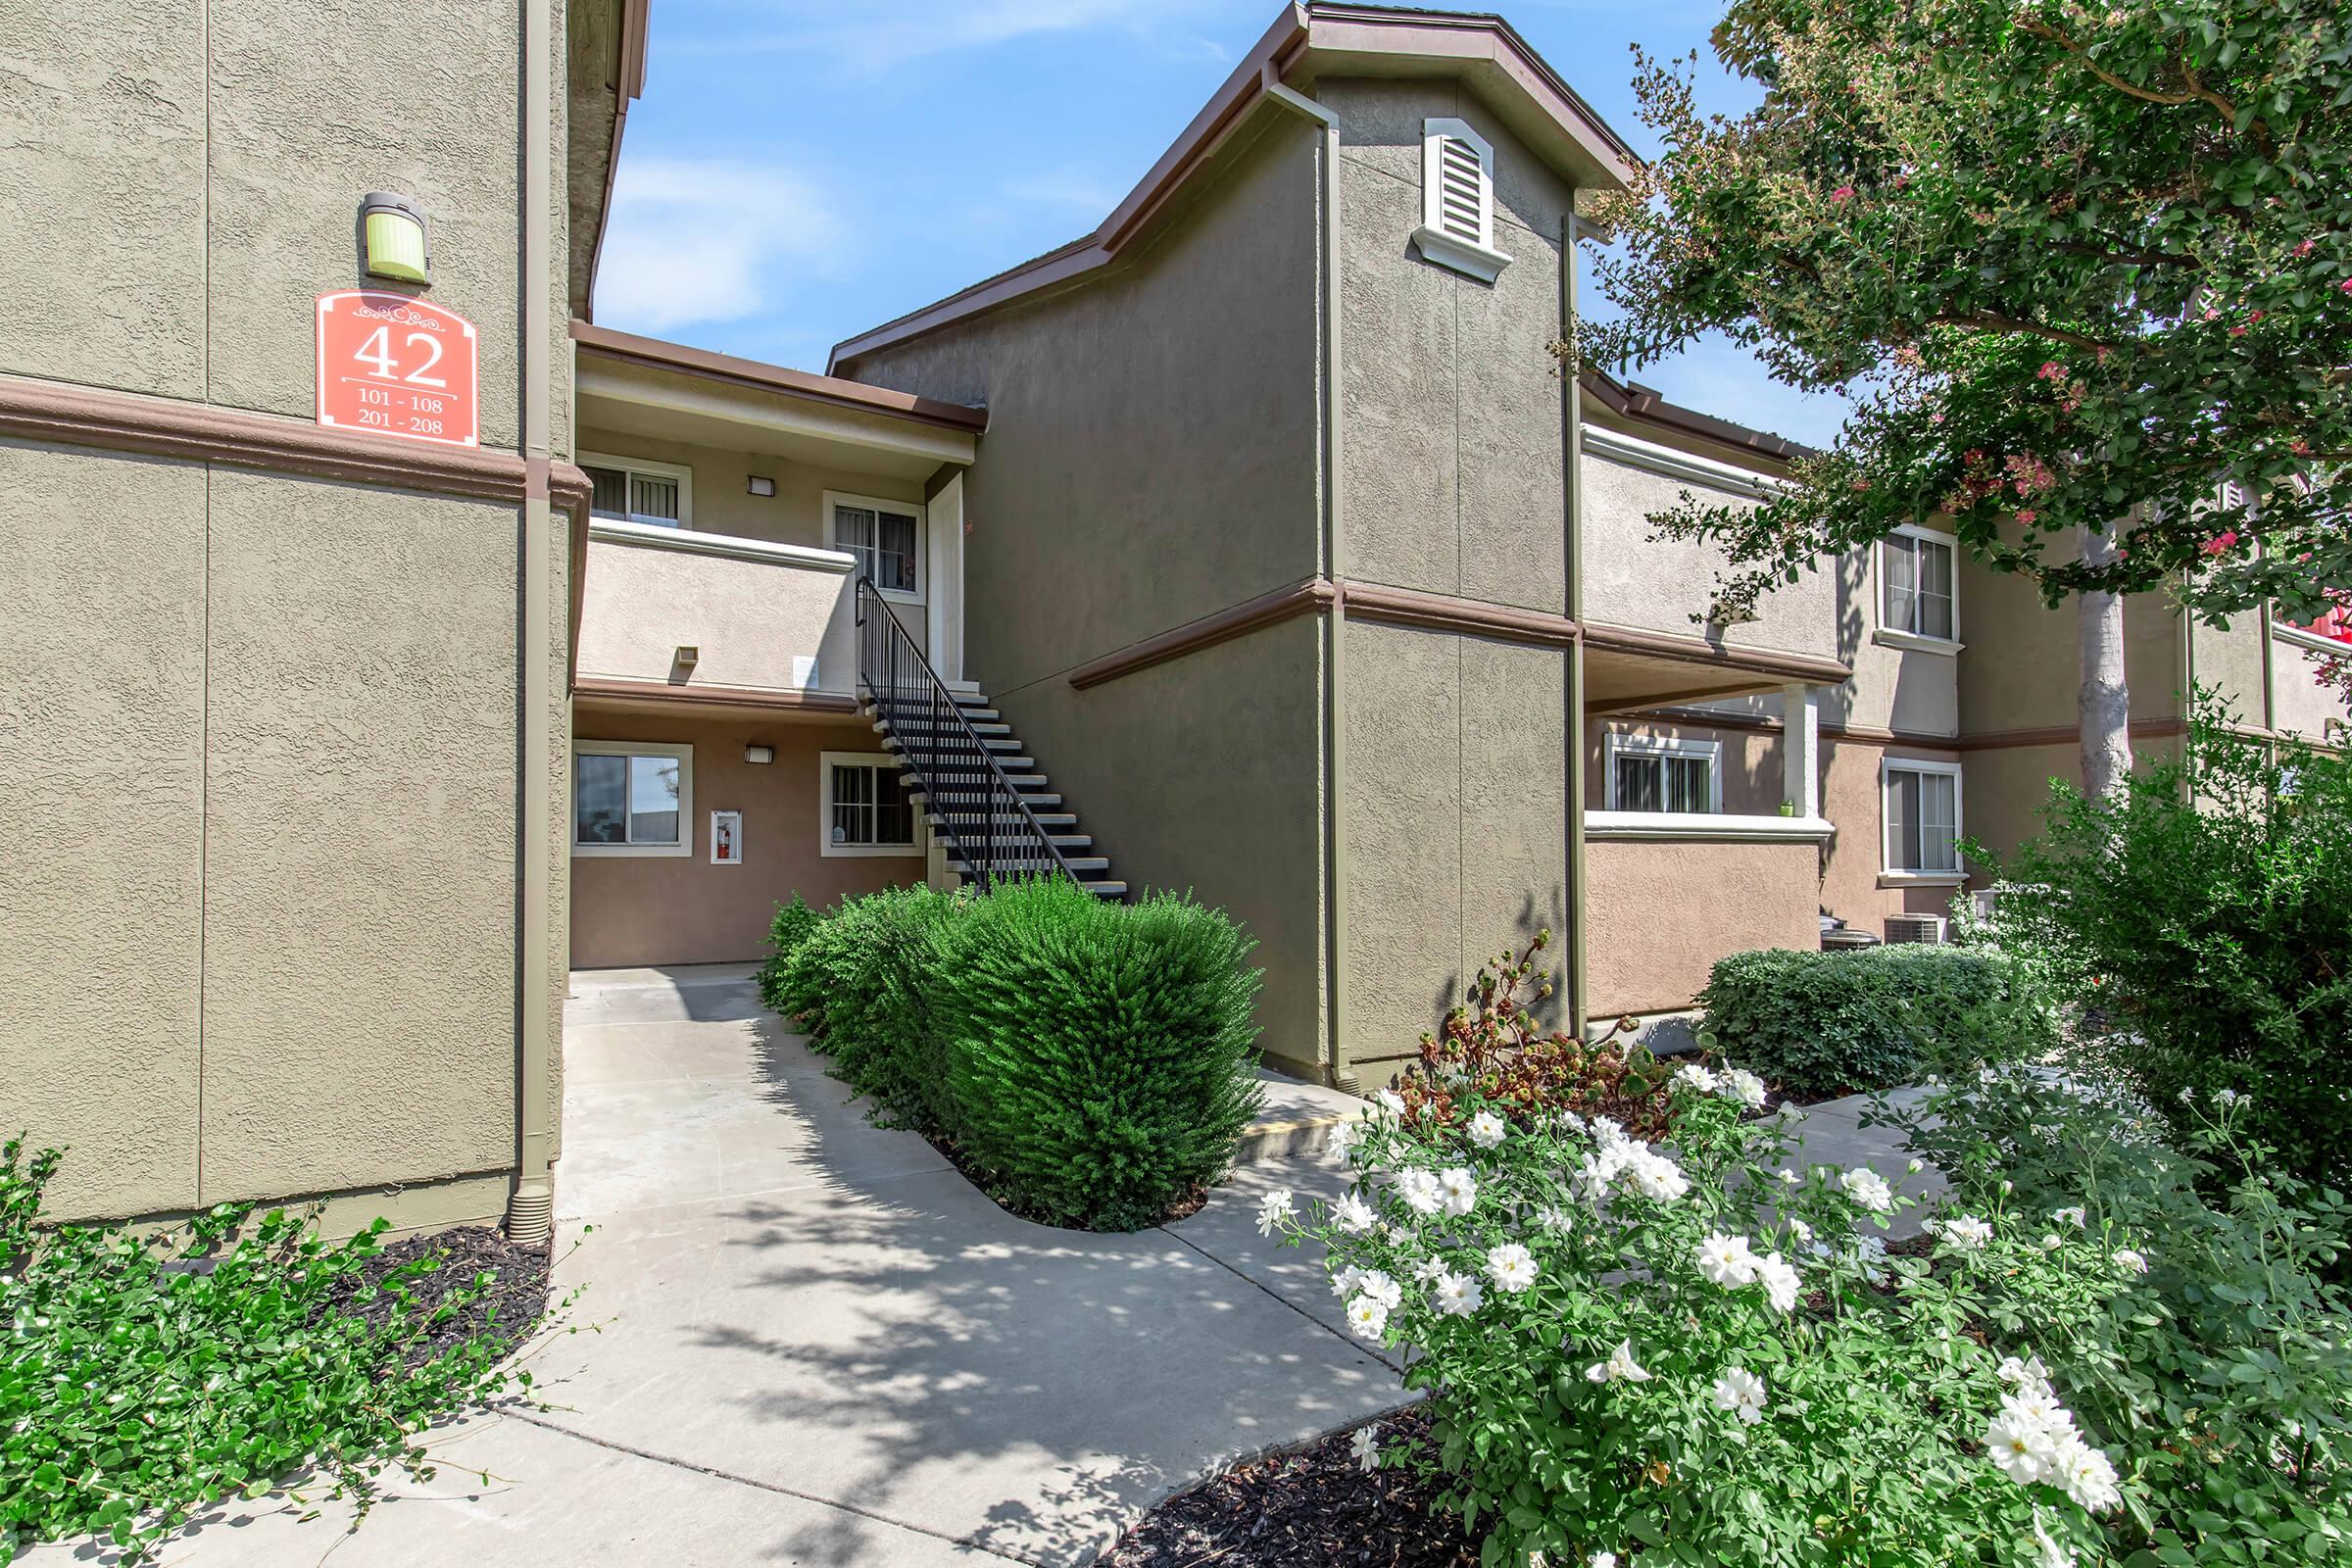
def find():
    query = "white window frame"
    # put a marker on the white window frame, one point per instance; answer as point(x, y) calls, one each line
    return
point(826, 762)
point(922, 538)
point(666, 470)
point(1897, 636)
point(1888, 871)
point(683, 752)
point(1623, 744)
point(1475, 257)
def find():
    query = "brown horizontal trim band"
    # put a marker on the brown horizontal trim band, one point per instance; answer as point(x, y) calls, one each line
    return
point(1295, 598)
point(1410, 606)
point(613, 689)
point(656, 353)
point(1812, 669)
point(202, 432)
point(1631, 400)
point(2142, 729)
point(1620, 706)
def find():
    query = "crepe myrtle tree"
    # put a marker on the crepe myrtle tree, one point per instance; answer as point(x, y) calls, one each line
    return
point(2088, 271)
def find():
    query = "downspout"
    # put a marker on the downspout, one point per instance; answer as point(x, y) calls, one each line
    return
point(1333, 568)
point(1573, 555)
point(530, 1211)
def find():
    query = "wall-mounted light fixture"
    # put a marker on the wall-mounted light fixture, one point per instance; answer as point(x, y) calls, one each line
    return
point(762, 485)
point(689, 655)
point(392, 238)
point(759, 754)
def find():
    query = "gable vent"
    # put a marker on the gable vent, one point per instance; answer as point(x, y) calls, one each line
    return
point(1458, 200)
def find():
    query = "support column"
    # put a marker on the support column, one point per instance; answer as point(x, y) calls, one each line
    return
point(1800, 749)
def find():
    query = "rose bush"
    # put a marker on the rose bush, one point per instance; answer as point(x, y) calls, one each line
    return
point(1703, 1354)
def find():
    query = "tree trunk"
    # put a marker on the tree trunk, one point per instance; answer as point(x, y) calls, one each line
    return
point(2105, 699)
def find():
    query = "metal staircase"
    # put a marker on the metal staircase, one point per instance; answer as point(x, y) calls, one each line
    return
point(962, 766)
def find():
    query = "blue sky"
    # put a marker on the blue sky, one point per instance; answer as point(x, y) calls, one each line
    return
point(799, 172)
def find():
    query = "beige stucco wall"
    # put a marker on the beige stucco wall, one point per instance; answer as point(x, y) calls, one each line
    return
point(264, 894)
point(683, 909)
point(2299, 704)
point(1662, 914)
point(2023, 666)
point(751, 621)
point(722, 500)
point(1854, 885)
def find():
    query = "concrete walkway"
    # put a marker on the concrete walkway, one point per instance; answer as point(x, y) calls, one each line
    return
point(819, 1344)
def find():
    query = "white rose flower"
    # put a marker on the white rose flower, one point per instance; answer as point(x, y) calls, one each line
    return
point(1781, 1284)
point(1655, 1176)
point(1551, 1217)
point(1365, 1447)
point(1273, 1209)
point(1367, 1319)
point(2030, 1373)
point(1741, 1393)
point(1420, 1191)
point(1696, 1077)
point(1620, 1368)
point(1869, 1188)
point(1790, 1178)
point(2087, 1474)
point(1601, 1560)
point(1968, 1233)
point(2050, 1241)
point(1726, 1260)
point(1380, 1286)
point(1351, 1213)
point(2071, 1215)
point(1915, 1166)
point(1511, 1268)
point(2226, 1096)
point(2129, 1261)
point(1457, 1295)
point(1485, 1129)
point(1738, 1083)
point(1459, 1190)
point(2021, 1447)
point(1387, 1102)
point(1339, 1140)
point(1800, 1230)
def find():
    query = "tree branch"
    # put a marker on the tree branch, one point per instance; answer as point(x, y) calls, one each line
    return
point(2197, 93)
point(1987, 321)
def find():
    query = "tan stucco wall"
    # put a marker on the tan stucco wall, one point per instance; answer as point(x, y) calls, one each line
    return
point(1853, 885)
point(749, 621)
point(722, 500)
point(264, 894)
point(2299, 704)
point(2023, 666)
point(683, 909)
point(1662, 914)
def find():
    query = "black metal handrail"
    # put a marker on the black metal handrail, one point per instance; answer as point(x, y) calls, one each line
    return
point(989, 823)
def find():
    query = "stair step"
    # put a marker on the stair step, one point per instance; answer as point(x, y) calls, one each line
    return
point(923, 726)
point(1078, 863)
point(1031, 786)
point(1048, 820)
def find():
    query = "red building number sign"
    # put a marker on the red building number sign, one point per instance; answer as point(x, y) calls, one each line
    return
point(396, 366)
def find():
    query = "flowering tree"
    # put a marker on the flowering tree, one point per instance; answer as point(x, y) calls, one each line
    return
point(2086, 267)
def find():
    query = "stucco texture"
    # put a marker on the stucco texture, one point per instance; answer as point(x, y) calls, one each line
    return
point(359, 962)
point(750, 620)
point(722, 500)
point(1454, 826)
point(102, 742)
point(1660, 915)
point(637, 910)
point(2022, 667)
point(1854, 862)
point(2299, 704)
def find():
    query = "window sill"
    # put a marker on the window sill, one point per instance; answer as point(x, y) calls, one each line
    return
point(1922, 879)
point(1912, 642)
point(1460, 255)
point(1716, 826)
point(632, 852)
point(871, 852)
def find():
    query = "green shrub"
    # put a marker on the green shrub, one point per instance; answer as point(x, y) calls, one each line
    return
point(791, 928)
point(1831, 1023)
point(2208, 912)
point(137, 1391)
point(1099, 1056)
point(2229, 1362)
point(865, 980)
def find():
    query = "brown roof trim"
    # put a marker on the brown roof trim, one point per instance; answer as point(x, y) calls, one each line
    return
point(658, 354)
point(1311, 594)
point(1811, 668)
point(629, 86)
point(1634, 401)
point(202, 432)
point(608, 688)
point(1298, 27)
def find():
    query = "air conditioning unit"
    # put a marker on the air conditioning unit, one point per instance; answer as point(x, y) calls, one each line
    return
point(1915, 927)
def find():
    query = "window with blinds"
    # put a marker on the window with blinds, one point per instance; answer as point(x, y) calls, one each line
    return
point(1922, 817)
point(628, 491)
point(887, 543)
point(1918, 581)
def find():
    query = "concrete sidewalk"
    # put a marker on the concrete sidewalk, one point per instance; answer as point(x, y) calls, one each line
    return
point(819, 1344)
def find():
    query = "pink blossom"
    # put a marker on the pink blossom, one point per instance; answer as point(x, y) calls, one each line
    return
point(2212, 314)
point(1858, 485)
point(1936, 418)
point(2306, 248)
point(2101, 353)
point(1842, 194)
point(2027, 514)
point(2238, 331)
point(2345, 286)
point(2220, 544)
point(2299, 447)
point(2050, 370)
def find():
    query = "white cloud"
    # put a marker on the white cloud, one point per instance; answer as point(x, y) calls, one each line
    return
point(706, 240)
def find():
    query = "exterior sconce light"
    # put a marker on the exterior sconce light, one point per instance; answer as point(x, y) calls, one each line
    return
point(689, 655)
point(392, 238)
point(759, 754)
point(762, 485)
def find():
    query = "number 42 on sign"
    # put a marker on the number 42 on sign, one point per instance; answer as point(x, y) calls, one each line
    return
point(394, 365)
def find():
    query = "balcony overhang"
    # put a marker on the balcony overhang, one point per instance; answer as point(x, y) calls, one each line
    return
point(1628, 668)
point(645, 386)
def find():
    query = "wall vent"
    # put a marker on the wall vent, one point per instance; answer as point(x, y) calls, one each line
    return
point(1915, 928)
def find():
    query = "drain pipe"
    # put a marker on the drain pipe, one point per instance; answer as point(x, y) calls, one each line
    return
point(1336, 1066)
point(1574, 558)
point(530, 1211)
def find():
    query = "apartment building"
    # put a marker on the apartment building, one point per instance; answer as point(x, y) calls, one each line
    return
point(1250, 544)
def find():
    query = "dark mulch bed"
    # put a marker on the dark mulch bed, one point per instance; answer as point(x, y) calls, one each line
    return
point(1312, 1510)
point(517, 1297)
